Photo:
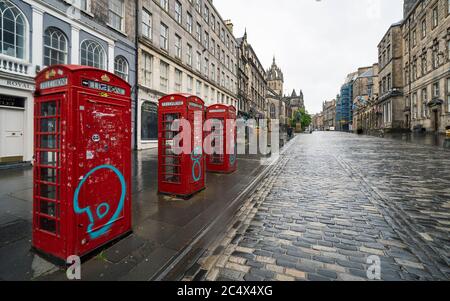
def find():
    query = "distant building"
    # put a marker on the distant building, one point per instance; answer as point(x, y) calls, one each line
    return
point(318, 122)
point(391, 104)
point(275, 82)
point(252, 84)
point(365, 97)
point(294, 102)
point(275, 79)
point(329, 115)
point(277, 111)
point(344, 105)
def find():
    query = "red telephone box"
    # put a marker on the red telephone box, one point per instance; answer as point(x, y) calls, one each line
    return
point(180, 173)
point(224, 136)
point(82, 163)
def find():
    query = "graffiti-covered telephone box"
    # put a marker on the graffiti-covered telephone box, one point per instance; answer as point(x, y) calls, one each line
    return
point(82, 160)
point(222, 137)
point(181, 162)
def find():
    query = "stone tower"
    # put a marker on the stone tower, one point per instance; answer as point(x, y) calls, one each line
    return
point(275, 78)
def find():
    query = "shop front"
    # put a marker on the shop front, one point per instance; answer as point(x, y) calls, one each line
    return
point(147, 119)
point(16, 120)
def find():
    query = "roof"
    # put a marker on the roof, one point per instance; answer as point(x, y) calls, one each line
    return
point(77, 68)
point(368, 73)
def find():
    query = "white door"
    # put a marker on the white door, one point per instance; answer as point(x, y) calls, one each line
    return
point(11, 135)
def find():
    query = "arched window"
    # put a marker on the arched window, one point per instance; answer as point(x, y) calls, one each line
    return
point(13, 28)
point(55, 47)
point(272, 111)
point(121, 67)
point(92, 54)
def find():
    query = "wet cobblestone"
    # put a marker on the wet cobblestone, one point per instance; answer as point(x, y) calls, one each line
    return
point(333, 201)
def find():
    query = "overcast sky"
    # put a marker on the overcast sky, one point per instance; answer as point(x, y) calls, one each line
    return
point(316, 43)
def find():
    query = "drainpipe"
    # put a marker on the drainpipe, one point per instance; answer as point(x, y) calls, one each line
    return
point(136, 111)
point(409, 75)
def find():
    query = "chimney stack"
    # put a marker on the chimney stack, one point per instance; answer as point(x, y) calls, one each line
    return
point(230, 25)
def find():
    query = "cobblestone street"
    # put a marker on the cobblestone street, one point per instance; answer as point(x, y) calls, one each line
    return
point(334, 200)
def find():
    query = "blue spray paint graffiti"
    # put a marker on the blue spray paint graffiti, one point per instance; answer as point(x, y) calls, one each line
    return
point(196, 157)
point(104, 208)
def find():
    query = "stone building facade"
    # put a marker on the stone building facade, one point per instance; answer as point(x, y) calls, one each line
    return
point(97, 33)
point(294, 103)
point(317, 122)
point(365, 97)
point(408, 5)
point(391, 107)
point(277, 108)
point(252, 84)
point(426, 65)
point(184, 47)
point(329, 115)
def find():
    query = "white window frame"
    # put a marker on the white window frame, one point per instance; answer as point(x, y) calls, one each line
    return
point(206, 66)
point(190, 84)
point(198, 32)
point(147, 28)
point(147, 69)
point(178, 81)
point(424, 102)
point(189, 23)
point(189, 55)
point(199, 61)
point(102, 64)
point(178, 12)
point(79, 4)
point(51, 31)
point(164, 37)
point(113, 13)
point(164, 76)
point(18, 14)
point(121, 67)
point(178, 46)
point(198, 88)
point(164, 4)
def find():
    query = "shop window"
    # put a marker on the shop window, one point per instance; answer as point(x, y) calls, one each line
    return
point(149, 121)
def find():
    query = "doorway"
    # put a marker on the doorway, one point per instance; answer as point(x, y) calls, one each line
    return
point(11, 135)
point(436, 121)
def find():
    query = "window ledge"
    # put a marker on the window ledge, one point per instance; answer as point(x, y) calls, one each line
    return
point(88, 13)
point(117, 30)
